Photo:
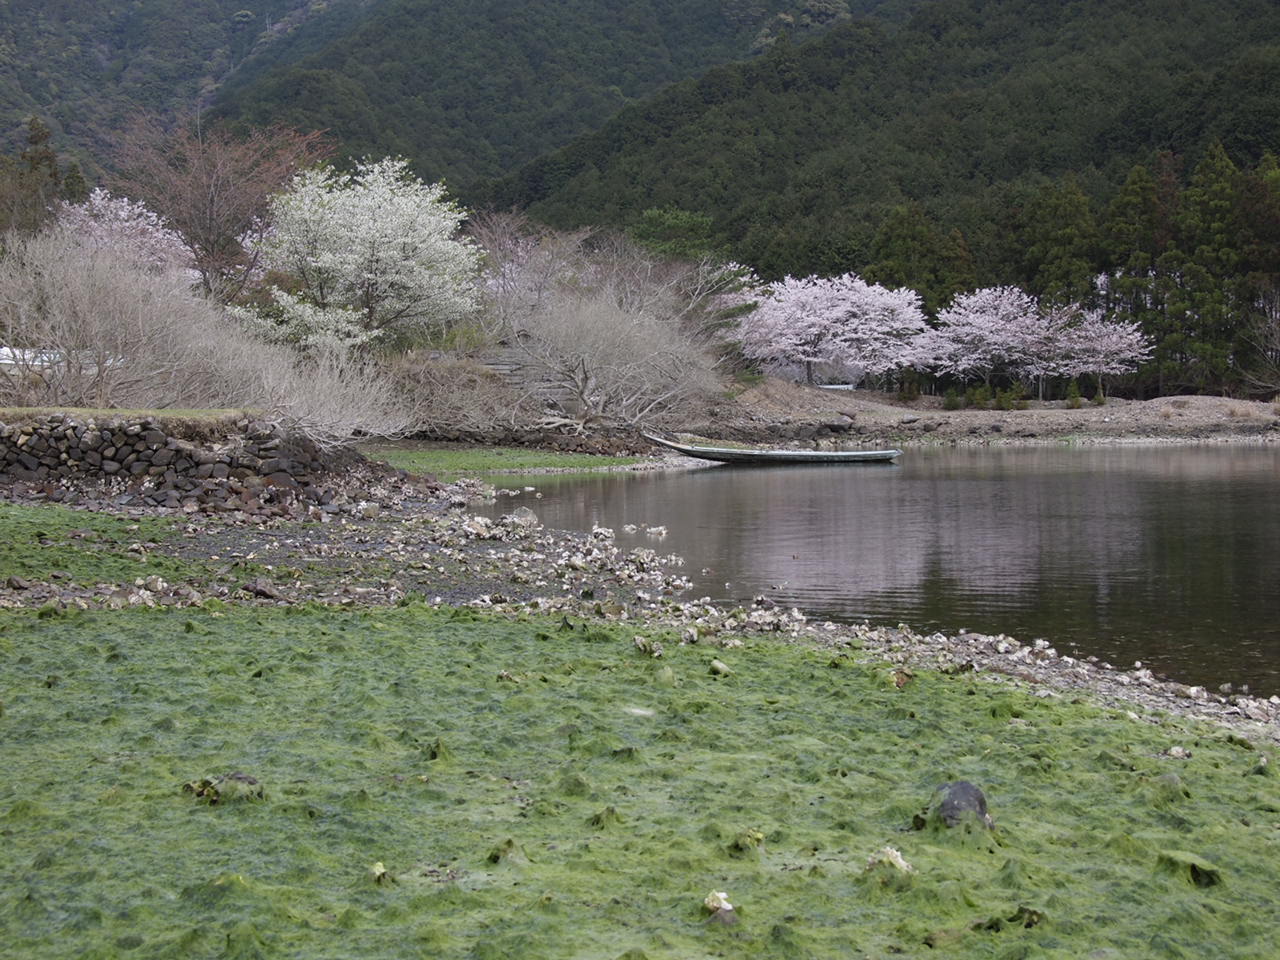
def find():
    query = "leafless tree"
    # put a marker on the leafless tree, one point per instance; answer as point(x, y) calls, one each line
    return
point(523, 265)
point(606, 330)
point(697, 295)
point(1264, 335)
point(83, 326)
point(605, 364)
point(212, 187)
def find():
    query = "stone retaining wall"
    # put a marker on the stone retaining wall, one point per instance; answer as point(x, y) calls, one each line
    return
point(252, 466)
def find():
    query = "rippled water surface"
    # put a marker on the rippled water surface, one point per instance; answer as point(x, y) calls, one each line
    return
point(1164, 555)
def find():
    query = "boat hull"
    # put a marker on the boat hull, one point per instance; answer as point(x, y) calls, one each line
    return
point(735, 455)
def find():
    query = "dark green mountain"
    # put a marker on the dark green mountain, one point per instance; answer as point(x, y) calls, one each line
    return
point(954, 122)
point(86, 66)
point(474, 89)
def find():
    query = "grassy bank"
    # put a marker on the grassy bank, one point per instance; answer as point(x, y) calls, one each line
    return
point(451, 462)
point(438, 783)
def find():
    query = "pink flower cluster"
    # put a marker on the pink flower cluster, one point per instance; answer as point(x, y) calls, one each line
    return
point(128, 228)
point(871, 330)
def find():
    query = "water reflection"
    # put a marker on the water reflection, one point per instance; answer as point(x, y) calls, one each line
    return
point(1130, 553)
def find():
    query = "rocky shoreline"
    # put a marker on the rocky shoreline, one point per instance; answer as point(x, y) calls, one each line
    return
point(391, 539)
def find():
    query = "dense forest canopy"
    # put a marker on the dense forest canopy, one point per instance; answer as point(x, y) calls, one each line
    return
point(1120, 156)
point(85, 67)
point(470, 90)
point(981, 142)
point(962, 114)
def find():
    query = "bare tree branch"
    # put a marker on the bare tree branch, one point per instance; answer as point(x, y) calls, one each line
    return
point(212, 188)
point(84, 325)
point(602, 327)
point(1264, 335)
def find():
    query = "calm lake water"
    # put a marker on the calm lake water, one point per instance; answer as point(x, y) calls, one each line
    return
point(1165, 555)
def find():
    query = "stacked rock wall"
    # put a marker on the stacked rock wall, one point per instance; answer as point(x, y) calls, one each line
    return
point(250, 466)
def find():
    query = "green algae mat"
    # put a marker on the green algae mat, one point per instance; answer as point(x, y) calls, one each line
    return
point(451, 462)
point(82, 547)
point(417, 783)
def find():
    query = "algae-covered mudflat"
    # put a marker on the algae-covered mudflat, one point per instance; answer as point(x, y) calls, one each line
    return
point(84, 547)
point(436, 783)
point(449, 461)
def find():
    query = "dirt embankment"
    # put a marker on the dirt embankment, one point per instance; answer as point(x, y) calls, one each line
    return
point(777, 411)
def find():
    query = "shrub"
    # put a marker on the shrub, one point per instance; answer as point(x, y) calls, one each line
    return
point(743, 380)
point(952, 400)
point(1015, 398)
point(909, 388)
point(88, 326)
point(979, 397)
point(457, 392)
point(1073, 395)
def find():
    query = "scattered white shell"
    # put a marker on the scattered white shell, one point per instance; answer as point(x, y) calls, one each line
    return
point(892, 857)
point(717, 900)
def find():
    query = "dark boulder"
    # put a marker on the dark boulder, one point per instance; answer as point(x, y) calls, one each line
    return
point(953, 804)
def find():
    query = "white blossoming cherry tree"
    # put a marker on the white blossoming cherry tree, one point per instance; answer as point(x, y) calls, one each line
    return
point(868, 329)
point(1089, 342)
point(987, 332)
point(1004, 331)
point(371, 256)
point(982, 334)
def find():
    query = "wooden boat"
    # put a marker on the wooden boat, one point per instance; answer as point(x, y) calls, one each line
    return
point(748, 455)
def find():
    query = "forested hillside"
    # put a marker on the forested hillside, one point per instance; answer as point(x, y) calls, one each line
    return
point(469, 90)
point(85, 67)
point(955, 122)
point(942, 146)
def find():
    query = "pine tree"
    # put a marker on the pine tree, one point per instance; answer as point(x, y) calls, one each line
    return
point(1131, 250)
point(1061, 240)
point(910, 251)
point(75, 189)
point(39, 156)
point(1205, 262)
point(30, 183)
point(1208, 222)
point(1260, 268)
point(673, 232)
point(1129, 229)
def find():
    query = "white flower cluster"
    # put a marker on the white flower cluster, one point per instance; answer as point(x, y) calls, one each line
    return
point(372, 253)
